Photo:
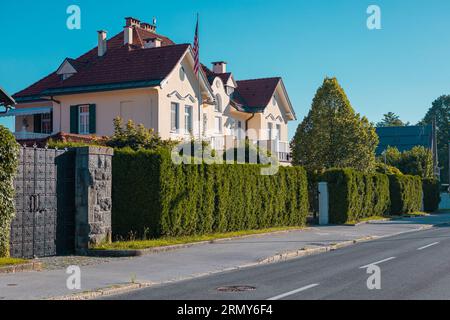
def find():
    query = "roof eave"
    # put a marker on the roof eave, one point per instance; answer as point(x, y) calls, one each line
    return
point(101, 87)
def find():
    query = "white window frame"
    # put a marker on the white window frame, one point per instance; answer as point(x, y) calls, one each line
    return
point(219, 129)
point(174, 112)
point(218, 106)
point(188, 119)
point(83, 119)
point(46, 119)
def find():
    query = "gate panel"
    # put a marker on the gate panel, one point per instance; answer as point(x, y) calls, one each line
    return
point(40, 176)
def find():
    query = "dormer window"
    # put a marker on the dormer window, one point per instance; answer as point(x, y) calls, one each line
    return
point(66, 70)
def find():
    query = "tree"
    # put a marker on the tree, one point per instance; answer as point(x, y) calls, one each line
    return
point(418, 161)
point(390, 119)
point(440, 111)
point(332, 135)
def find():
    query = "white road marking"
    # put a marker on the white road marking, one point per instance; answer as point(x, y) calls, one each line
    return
point(290, 293)
point(427, 246)
point(378, 262)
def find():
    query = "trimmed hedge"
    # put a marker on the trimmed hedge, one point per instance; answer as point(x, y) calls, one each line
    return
point(406, 194)
point(354, 195)
point(153, 197)
point(9, 150)
point(431, 194)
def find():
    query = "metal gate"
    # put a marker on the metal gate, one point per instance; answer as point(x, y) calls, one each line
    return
point(42, 215)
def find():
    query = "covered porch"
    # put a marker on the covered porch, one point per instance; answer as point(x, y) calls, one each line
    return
point(31, 123)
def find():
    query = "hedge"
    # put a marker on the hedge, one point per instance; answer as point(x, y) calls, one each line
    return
point(431, 194)
point(354, 195)
point(9, 150)
point(406, 194)
point(152, 197)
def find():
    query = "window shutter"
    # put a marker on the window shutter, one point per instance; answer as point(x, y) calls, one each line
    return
point(37, 123)
point(74, 119)
point(92, 119)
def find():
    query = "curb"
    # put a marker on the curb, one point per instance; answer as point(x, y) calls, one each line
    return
point(103, 292)
point(144, 252)
point(25, 267)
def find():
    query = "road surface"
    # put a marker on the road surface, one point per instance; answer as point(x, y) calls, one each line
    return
point(413, 265)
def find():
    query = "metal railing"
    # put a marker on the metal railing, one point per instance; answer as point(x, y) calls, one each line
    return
point(24, 135)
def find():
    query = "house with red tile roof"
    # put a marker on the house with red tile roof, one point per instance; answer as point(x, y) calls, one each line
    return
point(143, 76)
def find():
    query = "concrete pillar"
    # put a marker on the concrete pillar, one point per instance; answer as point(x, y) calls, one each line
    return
point(93, 200)
point(323, 204)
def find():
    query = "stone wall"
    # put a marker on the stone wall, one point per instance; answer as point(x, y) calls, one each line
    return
point(93, 183)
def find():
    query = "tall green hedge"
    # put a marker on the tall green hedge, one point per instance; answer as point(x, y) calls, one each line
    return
point(431, 194)
point(354, 195)
point(154, 197)
point(406, 194)
point(9, 150)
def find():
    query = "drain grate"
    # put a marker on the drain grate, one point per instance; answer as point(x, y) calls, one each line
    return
point(236, 289)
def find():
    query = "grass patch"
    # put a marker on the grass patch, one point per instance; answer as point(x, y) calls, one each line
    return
point(4, 262)
point(417, 214)
point(170, 241)
point(374, 218)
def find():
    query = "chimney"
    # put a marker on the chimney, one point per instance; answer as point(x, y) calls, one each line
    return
point(148, 27)
point(132, 22)
point(152, 43)
point(219, 67)
point(102, 43)
point(128, 35)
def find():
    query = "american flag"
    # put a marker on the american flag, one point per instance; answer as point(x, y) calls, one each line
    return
point(196, 51)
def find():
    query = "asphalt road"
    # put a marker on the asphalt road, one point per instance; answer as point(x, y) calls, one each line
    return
point(414, 265)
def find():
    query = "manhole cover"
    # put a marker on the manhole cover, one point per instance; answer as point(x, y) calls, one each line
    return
point(236, 289)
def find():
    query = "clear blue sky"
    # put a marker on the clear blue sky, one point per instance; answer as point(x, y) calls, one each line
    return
point(401, 68)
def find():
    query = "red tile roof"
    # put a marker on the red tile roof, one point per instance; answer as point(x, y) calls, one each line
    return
point(120, 64)
point(211, 75)
point(255, 93)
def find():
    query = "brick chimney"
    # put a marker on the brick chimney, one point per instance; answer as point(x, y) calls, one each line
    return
point(219, 67)
point(132, 22)
point(102, 43)
point(148, 27)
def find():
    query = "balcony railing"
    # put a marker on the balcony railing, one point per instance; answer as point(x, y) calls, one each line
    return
point(24, 135)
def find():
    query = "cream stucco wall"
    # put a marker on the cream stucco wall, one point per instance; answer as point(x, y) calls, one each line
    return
point(139, 105)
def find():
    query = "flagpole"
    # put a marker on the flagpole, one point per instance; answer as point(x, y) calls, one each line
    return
point(198, 78)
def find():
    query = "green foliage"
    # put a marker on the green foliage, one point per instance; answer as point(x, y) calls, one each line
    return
point(154, 197)
point(9, 150)
point(406, 194)
point(135, 137)
point(354, 195)
point(418, 161)
point(440, 112)
point(431, 194)
point(387, 169)
point(390, 119)
point(332, 135)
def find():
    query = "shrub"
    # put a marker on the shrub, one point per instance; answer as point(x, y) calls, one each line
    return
point(9, 150)
point(355, 195)
point(406, 193)
point(153, 197)
point(135, 137)
point(431, 194)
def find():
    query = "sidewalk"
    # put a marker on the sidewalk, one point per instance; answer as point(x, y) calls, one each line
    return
point(201, 259)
